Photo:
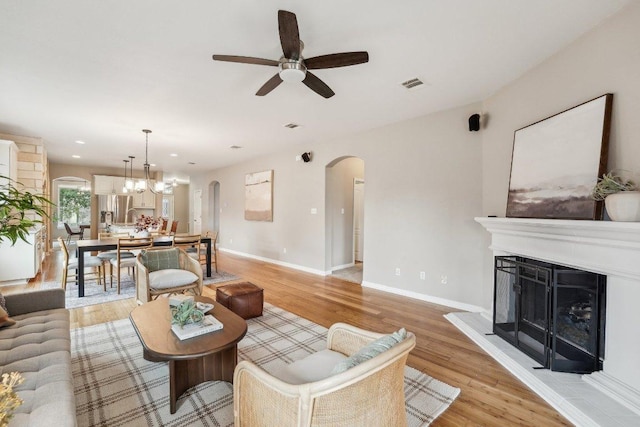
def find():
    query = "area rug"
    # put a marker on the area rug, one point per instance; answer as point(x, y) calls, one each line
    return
point(94, 294)
point(115, 386)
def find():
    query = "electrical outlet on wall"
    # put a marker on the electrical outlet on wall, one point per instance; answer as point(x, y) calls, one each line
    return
point(423, 275)
point(444, 279)
point(284, 250)
point(397, 271)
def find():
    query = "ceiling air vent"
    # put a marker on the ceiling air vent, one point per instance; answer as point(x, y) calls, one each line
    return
point(410, 84)
point(235, 147)
point(291, 125)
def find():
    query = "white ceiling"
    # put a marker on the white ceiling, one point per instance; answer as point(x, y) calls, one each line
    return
point(101, 71)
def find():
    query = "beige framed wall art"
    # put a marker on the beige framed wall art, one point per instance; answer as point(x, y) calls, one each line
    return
point(258, 190)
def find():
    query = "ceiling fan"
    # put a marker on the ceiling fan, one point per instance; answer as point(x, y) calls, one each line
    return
point(292, 65)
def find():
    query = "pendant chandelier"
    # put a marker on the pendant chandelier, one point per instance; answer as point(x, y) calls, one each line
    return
point(145, 184)
point(124, 187)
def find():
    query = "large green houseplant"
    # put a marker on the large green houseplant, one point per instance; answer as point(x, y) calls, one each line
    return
point(20, 211)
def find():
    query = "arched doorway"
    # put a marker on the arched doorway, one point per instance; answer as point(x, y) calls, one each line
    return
point(344, 217)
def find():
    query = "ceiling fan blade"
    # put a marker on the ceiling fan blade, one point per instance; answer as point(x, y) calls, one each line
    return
point(289, 36)
point(317, 85)
point(245, 60)
point(270, 85)
point(336, 60)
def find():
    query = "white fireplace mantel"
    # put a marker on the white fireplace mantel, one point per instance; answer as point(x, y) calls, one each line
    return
point(605, 247)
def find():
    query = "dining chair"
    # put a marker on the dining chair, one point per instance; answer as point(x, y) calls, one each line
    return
point(202, 256)
point(72, 264)
point(107, 256)
point(174, 227)
point(163, 227)
point(71, 233)
point(123, 260)
point(190, 243)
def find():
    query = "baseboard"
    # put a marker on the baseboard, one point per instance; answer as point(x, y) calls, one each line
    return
point(428, 298)
point(340, 267)
point(277, 262)
point(401, 292)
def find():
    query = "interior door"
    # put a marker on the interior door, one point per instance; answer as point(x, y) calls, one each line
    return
point(358, 219)
point(197, 212)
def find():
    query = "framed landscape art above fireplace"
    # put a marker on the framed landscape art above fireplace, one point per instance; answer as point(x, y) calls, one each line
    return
point(557, 161)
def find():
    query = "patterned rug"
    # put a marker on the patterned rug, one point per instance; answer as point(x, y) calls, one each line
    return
point(94, 294)
point(115, 386)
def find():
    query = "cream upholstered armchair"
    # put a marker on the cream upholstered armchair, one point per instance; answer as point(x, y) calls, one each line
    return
point(166, 271)
point(308, 392)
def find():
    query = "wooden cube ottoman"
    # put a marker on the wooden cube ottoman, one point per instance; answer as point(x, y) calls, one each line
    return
point(244, 299)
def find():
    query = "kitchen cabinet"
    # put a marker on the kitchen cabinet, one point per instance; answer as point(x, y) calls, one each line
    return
point(145, 200)
point(21, 262)
point(108, 184)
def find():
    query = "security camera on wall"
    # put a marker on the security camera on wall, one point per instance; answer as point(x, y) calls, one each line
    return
point(306, 157)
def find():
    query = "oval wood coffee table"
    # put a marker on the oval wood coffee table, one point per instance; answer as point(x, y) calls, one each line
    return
point(208, 357)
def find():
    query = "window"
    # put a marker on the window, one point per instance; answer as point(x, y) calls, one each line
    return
point(74, 203)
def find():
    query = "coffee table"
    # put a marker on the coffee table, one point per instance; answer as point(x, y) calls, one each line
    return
point(208, 357)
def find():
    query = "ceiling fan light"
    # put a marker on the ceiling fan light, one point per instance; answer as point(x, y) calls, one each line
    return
point(291, 75)
point(292, 71)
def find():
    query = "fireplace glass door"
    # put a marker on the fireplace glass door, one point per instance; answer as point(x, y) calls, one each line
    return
point(552, 313)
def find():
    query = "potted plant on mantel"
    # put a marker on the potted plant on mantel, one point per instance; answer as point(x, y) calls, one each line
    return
point(621, 197)
point(17, 209)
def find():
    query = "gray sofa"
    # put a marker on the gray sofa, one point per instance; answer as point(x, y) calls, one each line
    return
point(39, 347)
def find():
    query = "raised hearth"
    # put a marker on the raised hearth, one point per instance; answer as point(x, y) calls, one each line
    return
point(604, 247)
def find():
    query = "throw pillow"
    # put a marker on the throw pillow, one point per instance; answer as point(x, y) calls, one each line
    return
point(5, 320)
point(160, 259)
point(370, 351)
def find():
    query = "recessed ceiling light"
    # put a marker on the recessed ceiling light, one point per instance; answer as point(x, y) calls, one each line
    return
point(75, 156)
point(80, 142)
point(173, 155)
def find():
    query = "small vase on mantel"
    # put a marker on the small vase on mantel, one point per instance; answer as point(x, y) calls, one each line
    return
point(623, 206)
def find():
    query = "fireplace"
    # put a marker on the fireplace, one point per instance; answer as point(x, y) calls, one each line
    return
point(607, 248)
point(554, 314)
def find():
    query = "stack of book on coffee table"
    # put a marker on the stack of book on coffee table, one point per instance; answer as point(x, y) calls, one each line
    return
point(190, 330)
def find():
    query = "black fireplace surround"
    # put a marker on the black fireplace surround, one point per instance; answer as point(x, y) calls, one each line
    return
point(554, 314)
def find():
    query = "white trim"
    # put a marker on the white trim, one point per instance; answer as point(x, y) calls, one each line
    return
point(424, 297)
point(273, 261)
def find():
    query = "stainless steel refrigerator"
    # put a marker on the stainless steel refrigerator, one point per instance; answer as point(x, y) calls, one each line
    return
point(116, 209)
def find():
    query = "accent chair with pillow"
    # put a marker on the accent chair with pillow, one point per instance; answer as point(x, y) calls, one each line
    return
point(166, 271)
point(358, 380)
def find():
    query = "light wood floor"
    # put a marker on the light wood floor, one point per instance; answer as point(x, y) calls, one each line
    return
point(490, 395)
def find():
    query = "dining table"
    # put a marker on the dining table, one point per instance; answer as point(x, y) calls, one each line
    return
point(108, 244)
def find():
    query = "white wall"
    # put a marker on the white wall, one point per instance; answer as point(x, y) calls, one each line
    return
point(423, 188)
point(606, 60)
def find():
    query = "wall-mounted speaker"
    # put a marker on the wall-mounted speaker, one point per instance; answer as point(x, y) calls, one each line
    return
point(306, 157)
point(474, 122)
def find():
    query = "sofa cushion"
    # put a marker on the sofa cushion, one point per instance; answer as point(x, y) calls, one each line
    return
point(39, 347)
point(370, 351)
point(171, 278)
point(160, 259)
point(315, 367)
